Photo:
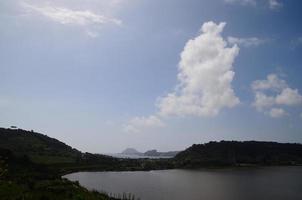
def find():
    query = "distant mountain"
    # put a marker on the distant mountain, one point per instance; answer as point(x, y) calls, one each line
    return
point(149, 153)
point(155, 153)
point(233, 153)
point(131, 151)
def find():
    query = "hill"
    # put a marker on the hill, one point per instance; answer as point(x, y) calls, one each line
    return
point(31, 165)
point(233, 153)
point(42, 149)
point(38, 147)
point(56, 155)
point(131, 151)
point(22, 179)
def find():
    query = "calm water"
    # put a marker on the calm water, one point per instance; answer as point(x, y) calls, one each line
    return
point(273, 183)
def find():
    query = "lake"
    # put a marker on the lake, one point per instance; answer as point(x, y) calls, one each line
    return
point(275, 183)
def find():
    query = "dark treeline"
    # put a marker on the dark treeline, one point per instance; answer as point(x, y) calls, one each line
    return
point(233, 153)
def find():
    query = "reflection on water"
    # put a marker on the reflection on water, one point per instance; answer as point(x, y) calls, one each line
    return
point(274, 183)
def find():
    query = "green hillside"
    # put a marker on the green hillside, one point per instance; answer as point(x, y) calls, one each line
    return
point(40, 148)
point(31, 165)
point(233, 153)
point(22, 179)
point(56, 155)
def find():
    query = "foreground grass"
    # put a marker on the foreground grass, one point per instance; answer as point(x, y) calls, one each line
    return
point(47, 190)
point(21, 179)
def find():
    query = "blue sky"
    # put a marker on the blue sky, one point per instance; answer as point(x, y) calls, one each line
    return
point(106, 75)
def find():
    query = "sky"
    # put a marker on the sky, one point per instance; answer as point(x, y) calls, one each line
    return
point(104, 75)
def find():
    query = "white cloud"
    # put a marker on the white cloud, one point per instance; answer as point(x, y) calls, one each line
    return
point(92, 34)
point(65, 16)
point(289, 97)
point(296, 42)
point(138, 124)
point(274, 91)
point(246, 42)
point(277, 112)
point(263, 101)
point(205, 76)
point(243, 2)
point(272, 4)
point(273, 82)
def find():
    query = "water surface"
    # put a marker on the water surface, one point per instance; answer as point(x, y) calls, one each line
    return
point(275, 183)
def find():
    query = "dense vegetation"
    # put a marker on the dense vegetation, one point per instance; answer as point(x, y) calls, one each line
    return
point(233, 153)
point(22, 179)
point(31, 165)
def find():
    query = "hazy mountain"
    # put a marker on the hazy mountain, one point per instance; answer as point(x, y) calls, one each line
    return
point(131, 151)
point(154, 153)
point(149, 153)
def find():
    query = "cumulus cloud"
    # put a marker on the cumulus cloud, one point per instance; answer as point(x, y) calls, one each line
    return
point(289, 97)
point(205, 76)
point(65, 16)
point(277, 113)
point(263, 101)
point(138, 124)
point(246, 42)
point(274, 91)
point(273, 82)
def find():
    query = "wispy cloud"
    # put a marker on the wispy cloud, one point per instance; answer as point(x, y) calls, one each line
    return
point(277, 113)
point(246, 42)
point(243, 2)
point(65, 16)
point(297, 42)
point(138, 124)
point(272, 4)
point(273, 92)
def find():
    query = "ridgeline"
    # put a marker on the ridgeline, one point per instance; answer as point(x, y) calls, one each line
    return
point(234, 153)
